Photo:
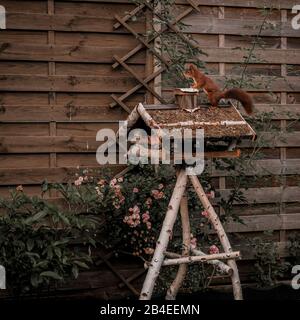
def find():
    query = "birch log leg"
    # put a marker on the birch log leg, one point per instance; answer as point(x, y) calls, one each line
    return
point(214, 219)
point(164, 237)
point(186, 240)
point(222, 267)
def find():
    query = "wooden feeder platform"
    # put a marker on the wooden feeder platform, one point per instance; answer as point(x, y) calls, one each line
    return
point(218, 123)
point(223, 128)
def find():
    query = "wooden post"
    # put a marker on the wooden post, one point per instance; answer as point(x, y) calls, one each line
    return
point(186, 98)
point(164, 237)
point(186, 241)
point(214, 219)
point(201, 258)
point(222, 267)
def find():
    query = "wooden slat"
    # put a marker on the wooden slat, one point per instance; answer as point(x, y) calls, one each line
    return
point(280, 111)
point(60, 113)
point(283, 4)
point(268, 195)
point(237, 55)
point(262, 83)
point(196, 24)
point(52, 175)
point(65, 53)
point(33, 144)
point(265, 222)
point(66, 83)
point(24, 161)
point(264, 168)
point(36, 175)
point(59, 22)
point(73, 112)
point(288, 139)
point(121, 84)
point(199, 24)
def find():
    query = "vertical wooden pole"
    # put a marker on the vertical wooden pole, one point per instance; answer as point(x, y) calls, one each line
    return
point(164, 237)
point(283, 101)
point(186, 242)
point(156, 63)
point(52, 95)
point(149, 67)
point(222, 72)
point(215, 221)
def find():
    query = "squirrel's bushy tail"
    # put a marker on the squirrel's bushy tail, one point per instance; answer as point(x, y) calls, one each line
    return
point(243, 97)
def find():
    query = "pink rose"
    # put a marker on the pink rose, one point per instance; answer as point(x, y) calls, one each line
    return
point(113, 182)
point(205, 213)
point(145, 216)
point(160, 186)
point(149, 225)
point(136, 216)
point(157, 194)
point(160, 195)
point(211, 194)
point(79, 181)
point(213, 249)
point(149, 251)
point(120, 179)
point(19, 188)
point(135, 190)
point(136, 209)
point(154, 192)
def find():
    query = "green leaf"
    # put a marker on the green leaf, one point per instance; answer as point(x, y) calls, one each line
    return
point(75, 271)
point(30, 244)
point(35, 280)
point(36, 217)
point(51, 274)
point(49, 253)
point(57, 252)
point(81, 264)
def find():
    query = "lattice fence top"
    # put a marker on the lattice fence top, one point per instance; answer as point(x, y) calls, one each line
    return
point(148, 44)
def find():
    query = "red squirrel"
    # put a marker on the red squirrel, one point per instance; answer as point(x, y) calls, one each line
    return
point(214, 94)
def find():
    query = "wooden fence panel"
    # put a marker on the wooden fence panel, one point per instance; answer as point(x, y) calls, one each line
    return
point(56, 82)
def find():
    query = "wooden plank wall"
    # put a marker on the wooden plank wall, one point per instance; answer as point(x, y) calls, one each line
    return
point(56, 80)
point(55, 86)
point(222, 29)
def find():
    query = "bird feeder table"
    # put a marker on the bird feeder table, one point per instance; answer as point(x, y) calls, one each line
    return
point(223, 129)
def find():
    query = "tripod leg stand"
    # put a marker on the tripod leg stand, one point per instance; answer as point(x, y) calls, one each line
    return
point(179, 198)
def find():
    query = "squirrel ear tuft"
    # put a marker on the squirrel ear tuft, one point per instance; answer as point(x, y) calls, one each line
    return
point(193, 67)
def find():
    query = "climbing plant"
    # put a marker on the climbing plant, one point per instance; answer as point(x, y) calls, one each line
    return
point(172, 42)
